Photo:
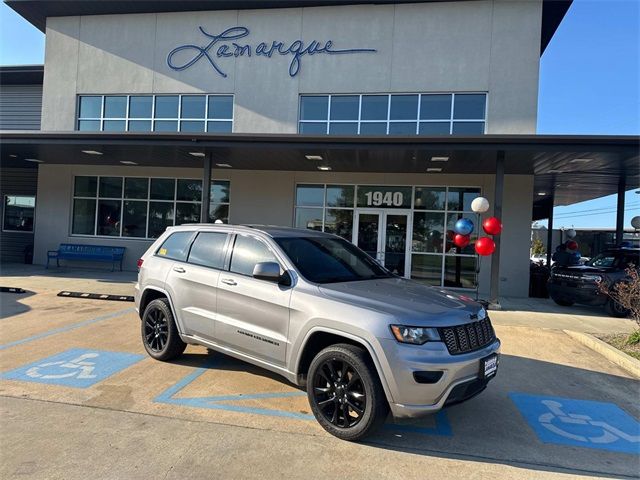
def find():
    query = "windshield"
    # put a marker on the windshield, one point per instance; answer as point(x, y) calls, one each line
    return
point(611, 259)
point(603, 260)
point(329, 260)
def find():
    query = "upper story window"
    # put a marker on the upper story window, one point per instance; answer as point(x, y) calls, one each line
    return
point(398, 114)
point(157, 113)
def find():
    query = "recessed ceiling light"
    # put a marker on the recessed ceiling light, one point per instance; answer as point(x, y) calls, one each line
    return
point(223, 165)
point(34, 160)
point(314, 157)
point(434, 170)
point(581, 160)
point(324, 168)
point(92, 152)
point(13, 156)
point(197, 154)
point(542, 194)
point(127, 162)
point(439, 159)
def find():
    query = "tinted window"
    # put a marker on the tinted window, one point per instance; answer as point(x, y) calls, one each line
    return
point(208, 249)
point(247, 252)
point(176, 246)
point(314, 108)
point(345, 107)
point(328, 260)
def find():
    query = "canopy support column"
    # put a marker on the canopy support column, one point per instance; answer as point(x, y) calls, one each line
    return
point(550, 248)
point(494, 294)
point(620, 209)
point(206, 189)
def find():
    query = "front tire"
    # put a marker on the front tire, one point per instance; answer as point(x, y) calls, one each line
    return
point(345, 392)
point(160, 336)
point(562, 302)
point(616, 310)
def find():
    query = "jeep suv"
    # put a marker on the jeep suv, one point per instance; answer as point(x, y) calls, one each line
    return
point(322, 313)
point(584, 283)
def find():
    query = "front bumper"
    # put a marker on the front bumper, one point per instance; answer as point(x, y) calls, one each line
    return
point(460, 378)
point(585, 294)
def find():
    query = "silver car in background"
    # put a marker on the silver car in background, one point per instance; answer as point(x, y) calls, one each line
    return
point(319, 311)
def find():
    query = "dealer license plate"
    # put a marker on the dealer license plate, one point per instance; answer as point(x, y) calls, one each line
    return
point(489, 366)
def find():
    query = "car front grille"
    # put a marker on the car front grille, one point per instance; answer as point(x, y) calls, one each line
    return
point(468, 337)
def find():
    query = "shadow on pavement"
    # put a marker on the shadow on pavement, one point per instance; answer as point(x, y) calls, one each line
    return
point(490, 428)
point(546, 305)
point(10, 303)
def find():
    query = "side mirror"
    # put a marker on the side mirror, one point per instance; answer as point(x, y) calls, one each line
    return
point(269, 271)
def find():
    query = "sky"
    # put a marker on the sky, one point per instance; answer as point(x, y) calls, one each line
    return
point(589, 84)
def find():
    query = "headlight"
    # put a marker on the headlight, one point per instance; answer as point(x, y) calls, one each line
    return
point(482, 314)
point(592, 278)
point(415, 335)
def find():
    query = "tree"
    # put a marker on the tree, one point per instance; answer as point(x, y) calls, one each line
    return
point(627, 294)
point(537, 247)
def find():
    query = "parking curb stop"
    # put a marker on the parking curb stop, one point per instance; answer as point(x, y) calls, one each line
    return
point(612, 354)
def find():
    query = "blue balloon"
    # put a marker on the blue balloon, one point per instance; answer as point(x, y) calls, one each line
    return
point(464, 226)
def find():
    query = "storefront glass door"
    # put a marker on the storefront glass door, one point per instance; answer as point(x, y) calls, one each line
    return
point(383, 235)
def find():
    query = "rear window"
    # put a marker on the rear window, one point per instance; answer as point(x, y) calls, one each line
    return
point(208, 250)
point(176, 247)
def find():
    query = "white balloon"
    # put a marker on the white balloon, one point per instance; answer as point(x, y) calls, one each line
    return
point(571, 233)
point(480, 205)
point(635, 222)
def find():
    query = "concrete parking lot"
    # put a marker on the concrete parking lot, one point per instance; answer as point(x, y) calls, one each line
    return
point(80, 398)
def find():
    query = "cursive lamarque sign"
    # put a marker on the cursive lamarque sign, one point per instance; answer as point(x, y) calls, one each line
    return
point(224, 45)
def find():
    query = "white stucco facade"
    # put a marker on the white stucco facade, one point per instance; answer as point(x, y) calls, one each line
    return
point(485, 46)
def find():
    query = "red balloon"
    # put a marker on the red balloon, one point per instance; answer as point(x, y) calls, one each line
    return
point(461, 240)
point(572, 245)
point(492, 226)
point(485, 246)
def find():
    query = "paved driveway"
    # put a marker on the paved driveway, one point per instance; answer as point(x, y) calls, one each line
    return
point(79, 398)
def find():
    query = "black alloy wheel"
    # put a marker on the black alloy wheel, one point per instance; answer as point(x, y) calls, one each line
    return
point(339, 393)
point(156, 330)
point(345, 392)
point(160, 336)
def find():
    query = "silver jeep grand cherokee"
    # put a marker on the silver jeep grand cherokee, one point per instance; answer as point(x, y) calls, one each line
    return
point(320, 312)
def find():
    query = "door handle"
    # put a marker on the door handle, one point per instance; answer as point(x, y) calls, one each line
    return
point(228, 281)
point(179, 269)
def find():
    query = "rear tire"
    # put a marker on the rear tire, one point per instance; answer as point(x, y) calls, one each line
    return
point(345, 392)
point(160, 336)
point(562, 302)
point(616, 310)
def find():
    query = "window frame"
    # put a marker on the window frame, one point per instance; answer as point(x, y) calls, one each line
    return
point(148, 200)
point(388, 121)
point(4, 213)
point(127, 118)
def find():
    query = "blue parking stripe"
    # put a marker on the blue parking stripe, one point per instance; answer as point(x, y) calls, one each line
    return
point(66, 328)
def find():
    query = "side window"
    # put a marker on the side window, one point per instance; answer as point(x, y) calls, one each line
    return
point(208, 250)
point(248, 251)
point(176, 247)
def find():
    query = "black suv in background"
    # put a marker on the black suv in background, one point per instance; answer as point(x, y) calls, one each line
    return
point(581, 283)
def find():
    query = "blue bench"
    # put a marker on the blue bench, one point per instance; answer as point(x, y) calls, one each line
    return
point(95, 253)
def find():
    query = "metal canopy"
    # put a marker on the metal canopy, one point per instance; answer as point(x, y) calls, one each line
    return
point(572, 168)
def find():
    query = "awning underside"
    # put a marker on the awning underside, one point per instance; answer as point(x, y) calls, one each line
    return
point(573, 168)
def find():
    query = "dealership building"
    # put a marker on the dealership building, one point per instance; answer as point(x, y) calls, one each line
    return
point(379, 121)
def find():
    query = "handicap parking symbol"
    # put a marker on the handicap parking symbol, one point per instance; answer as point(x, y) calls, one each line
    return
point(77, 368)
point(581, 423)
